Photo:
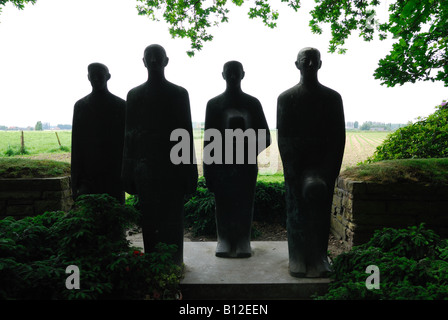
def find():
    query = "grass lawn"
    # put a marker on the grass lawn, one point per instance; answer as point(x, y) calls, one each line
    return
point(422, 171)
point(276, 177)
point(26, 168)
point(36, 142)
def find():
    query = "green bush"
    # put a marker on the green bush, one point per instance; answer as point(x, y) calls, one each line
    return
point(427, 138)
point(269, 206)
point(270, 202)
point(413, 265)
point(200, 213)
point(35, 252)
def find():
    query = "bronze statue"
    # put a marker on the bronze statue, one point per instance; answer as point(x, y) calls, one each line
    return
point(153, 111)
point(97, 139)
point(311, 137)
point(232, 177)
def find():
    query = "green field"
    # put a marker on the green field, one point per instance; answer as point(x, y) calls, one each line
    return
point(36, 142)
point(45, 145)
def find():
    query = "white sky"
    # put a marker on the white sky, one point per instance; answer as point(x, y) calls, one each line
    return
point(45, 50)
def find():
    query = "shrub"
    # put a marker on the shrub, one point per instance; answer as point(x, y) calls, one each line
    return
point(413, 264)
point(200, 213)
point(269, 206)
point(270, 203)
point(427, 138)
point(35, 252)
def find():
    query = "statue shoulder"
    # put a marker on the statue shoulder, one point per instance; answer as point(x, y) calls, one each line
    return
point(177, 89)
point(215, 101)
point(137, 90)
point(289, 94)
point(82, 102)
point(251, 99)
point(331, 93)
point(117, 100)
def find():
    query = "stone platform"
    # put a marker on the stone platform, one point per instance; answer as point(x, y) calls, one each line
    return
point(263, 276)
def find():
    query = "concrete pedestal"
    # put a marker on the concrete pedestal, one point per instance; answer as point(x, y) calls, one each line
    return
point(263, 276)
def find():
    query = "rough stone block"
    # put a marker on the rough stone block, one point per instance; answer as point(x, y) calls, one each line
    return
point(410, 207)
point(385, 221)
point(20, 210)
point(368, 207)
point(52, 195)
point(337, 228)
point(2, 208)
point(16, 195)
point(42, 206)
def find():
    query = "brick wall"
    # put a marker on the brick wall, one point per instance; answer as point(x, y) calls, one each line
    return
point(359, 208)
point(29, 197)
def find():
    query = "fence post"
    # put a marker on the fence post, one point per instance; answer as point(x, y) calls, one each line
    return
point(58, 139)
point(22, 144)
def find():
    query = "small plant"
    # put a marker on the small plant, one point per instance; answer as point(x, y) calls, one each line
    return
point(413, 265)
point(12, 151)
point(59, 149)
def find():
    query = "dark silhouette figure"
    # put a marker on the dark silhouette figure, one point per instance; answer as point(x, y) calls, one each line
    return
point(154, 110)
point(98, 138)
point(233, 183)
point(311, 137)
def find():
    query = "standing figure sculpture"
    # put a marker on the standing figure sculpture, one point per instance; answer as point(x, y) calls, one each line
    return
point(311, 137)
point(98, 138)
point(153, 111)
point(232, 178)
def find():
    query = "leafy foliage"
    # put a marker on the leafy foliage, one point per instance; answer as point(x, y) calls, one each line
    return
point(413, 265)
point(192, 19)
point(420, 27)
point(35, 252)
point(270, 202)
point(269, 206)
point(200, 212)
point(19, 4)
point(426, 138)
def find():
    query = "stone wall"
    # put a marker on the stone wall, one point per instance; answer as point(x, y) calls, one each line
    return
point(359, 208)
point(29, 197)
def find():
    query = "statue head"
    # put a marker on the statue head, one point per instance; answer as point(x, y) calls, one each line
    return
point(233, 72)
point(98, 75)
point(308, 61)
point(155, 58)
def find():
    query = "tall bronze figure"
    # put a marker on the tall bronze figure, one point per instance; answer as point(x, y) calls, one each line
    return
point(153, 111)
point(240, 122)
point(311, 137)
point(98, 138)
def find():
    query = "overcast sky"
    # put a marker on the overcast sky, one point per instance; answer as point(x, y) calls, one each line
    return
point(45, 50)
